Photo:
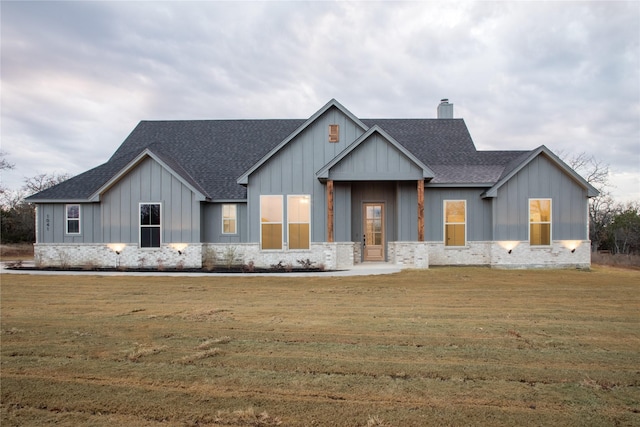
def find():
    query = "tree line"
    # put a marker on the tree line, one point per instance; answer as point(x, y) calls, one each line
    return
point(613, 226)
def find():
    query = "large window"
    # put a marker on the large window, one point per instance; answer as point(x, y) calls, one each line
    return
point(229, 219)
point(455, 223)
point(540, 222)
point(72, 218)
point(271, 222)
point(299, 219)
point(150, 225)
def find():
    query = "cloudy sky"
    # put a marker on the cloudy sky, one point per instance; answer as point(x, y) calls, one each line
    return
point(78, 76)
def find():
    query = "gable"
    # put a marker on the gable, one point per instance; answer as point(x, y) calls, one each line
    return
point(540, 166)
point(146, 157)
point(374, 156)
point(317, 129)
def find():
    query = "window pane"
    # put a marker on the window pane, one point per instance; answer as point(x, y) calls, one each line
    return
point(540, 234)
point(540, 210)
point(229, 219)
point(454, 212)
point(73, 211)
point(271, 236)
point(155, 214)
point(73, 226)
point(298, 209)
point(229, 226)
point(298, 236)
point(150, 237)
point(271, 208)
point(454, 234)
point(145, 217)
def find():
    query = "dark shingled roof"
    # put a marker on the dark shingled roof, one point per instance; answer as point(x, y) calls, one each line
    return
point(212, 154)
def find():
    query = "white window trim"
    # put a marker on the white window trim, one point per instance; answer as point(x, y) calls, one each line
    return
point(66, 219)
point(235, 219)
point(289, 196)
point(550, 222)
point(281, 222)
point(445, 223)
point(140, 226)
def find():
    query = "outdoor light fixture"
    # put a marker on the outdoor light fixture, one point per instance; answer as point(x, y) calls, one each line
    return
point(116, 247)
point(509, 245)
point(180, 247)
point(572, 245)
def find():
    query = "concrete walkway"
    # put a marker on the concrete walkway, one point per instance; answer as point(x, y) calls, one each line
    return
point(365, 269)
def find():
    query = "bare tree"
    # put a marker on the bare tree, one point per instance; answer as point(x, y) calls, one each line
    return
point(18, 216)
point(4, 165)
point(602, 208)
point(42, 181)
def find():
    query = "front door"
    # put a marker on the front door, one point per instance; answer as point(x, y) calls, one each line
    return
point(373, 233)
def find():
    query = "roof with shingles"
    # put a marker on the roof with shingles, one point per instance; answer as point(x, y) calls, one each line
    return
point(212, 154)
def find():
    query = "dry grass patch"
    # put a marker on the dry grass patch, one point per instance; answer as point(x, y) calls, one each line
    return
point(447, 346)
point(247, 417)
point(143, 351)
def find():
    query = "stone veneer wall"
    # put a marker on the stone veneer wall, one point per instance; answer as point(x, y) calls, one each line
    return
point(102, 255)
point(558, 255)
point(409, 254)
point(496, 254)
point(331, 256)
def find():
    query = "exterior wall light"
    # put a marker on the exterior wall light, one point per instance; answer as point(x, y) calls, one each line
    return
point(572, 245)
point(509, 245)
point(180, 247)
point(116, 247)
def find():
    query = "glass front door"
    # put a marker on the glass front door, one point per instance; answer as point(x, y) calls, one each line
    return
point(373, 233)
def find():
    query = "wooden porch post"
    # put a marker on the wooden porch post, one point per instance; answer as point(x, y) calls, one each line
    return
point(420, 210)
point(330, 211)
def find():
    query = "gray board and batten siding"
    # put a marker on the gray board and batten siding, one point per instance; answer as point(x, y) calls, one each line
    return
point(478, 219)
point(292, 171)
point(541, 179)
point(51, 226)
point(150, 182)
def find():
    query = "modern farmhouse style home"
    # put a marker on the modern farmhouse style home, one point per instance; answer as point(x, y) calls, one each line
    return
point(334, 189)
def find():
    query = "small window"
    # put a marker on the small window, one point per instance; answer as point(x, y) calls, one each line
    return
point(455, 222)
point(271, 222)
point(150, 225)
point(299, 221)
point(229, 219)
point(73, 219)
point(540, 222)
point(334, 133)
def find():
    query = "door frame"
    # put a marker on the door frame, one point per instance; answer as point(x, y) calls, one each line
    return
point(383, 247)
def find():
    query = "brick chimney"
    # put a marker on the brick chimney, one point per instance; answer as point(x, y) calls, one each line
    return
point(445, 110)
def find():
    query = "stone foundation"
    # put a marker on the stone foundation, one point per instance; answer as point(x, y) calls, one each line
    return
point(409, 254)
point(129, 256)
point(330, 256)
point(522, 255)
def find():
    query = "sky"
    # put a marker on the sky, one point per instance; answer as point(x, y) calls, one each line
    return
point(77, 77)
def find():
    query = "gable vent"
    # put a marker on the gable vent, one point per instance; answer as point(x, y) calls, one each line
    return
point(334, 133)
